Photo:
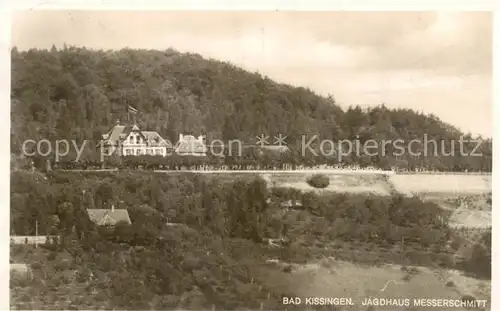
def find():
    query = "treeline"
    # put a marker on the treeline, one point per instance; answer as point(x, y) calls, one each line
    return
point(250, 160)
point(77, 93)
point(235, 209)
point(203, 202)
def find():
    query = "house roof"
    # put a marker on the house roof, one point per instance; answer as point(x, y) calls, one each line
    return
point(189, 144)
point(119, 133)
point(103, 217)
point(116, 134)
point(154, 139)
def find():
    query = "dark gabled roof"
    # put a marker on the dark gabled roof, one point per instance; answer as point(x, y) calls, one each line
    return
point(103, 217)
point(117, 134)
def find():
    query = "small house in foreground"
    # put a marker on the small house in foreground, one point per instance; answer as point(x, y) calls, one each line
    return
point(109, 217)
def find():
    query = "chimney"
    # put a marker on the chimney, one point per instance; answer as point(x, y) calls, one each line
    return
point(112, 207)
point(181, 137)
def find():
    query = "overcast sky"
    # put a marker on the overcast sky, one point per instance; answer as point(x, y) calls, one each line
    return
point(432, 62)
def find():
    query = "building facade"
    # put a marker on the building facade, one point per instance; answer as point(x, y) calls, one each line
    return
point(130, 140)
point(188, 145)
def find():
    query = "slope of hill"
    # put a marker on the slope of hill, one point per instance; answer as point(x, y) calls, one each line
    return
point(453, 184)
point(217, 253)
point(78, 93)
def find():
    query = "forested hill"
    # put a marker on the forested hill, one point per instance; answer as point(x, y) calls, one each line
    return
point(78, 93)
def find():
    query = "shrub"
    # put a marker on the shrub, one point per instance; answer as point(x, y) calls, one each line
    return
point(488, 198)
point(318, 181)
point(52, 256)
point(61, 266)
point(478, 262)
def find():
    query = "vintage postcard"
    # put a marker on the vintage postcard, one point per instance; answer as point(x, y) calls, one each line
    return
point(251, 160)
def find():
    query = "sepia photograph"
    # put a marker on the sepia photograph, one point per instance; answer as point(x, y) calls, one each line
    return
point(251, 160)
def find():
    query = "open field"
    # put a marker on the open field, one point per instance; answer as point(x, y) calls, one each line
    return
point(336, 278)
point(363, 183)
point(439, 183)
point(366, 183)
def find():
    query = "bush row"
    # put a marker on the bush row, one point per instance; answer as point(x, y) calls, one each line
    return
point(176, 162)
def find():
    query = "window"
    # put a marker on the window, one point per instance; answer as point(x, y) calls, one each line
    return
point(128, 152)
point(150, 151)
point(158, 151)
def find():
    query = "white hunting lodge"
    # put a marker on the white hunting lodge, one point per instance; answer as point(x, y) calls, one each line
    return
point(130, 140)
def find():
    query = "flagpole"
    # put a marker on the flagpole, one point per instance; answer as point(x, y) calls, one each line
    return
point(36, 234)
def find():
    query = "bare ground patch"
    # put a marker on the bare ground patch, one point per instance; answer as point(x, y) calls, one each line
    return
point(335, 278)
point(469, 211)
point(412, 184)
point(342, 183)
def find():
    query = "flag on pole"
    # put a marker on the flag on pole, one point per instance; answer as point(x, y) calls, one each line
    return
point(36, 234)
point(131, 109)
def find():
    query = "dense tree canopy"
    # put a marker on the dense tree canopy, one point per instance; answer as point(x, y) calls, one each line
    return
point(78, 93)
